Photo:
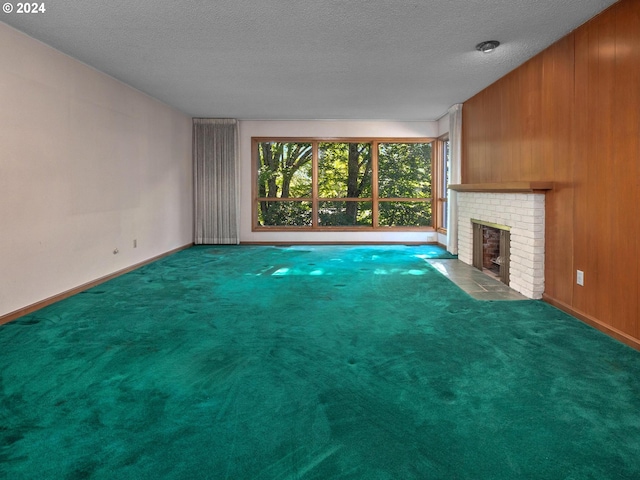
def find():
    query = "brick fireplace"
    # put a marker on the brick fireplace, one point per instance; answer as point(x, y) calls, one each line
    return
point(523, 214)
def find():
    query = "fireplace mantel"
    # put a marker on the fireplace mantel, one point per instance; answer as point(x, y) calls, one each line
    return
point(504, 187)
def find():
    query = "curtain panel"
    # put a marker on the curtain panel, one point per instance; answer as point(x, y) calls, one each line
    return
point(455, 175)
point(215, 186)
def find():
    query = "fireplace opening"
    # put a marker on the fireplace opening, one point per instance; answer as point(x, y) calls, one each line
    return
point(491, 259)
point(491, 246)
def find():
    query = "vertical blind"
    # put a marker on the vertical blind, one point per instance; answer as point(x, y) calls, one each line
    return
point(215, 170)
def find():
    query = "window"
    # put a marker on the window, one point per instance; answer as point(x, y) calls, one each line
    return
point(348, 184)
point(285, 184)
point(344, 184)
point(444, 164)
point(404, 184)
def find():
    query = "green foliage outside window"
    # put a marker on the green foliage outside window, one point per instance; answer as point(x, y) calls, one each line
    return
point(404, 170)
point(284, 169)
point(345, 173)
point(345, 214)
point(287, 214)
point(344, 170)
point(404, 214)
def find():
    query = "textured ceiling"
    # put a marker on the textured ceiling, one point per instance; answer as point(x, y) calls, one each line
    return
point(305, 59)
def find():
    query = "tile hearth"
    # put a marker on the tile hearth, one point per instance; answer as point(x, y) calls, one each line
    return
point(474, 282)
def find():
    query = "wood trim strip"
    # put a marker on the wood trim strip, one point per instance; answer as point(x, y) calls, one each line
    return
point(349, 242)
point(593, 322)
point(408, 200)
point(374, 185)
point(73, 291)
point(345, 139)
point(345, 199)
point(254, 183)
point(315, 158)
point(438, 173)
point(342, 228)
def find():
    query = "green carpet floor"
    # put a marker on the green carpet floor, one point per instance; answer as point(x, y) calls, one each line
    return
point(311, 362)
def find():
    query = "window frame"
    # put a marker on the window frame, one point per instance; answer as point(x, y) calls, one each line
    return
point(315, 199)
point(440, 182)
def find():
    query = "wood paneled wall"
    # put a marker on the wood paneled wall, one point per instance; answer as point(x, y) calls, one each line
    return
point(571, 115)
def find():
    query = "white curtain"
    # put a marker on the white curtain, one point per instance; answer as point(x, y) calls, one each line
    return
point(215, 185)
point(455, 175)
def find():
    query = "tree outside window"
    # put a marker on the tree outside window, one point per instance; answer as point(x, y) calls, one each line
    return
point(321, 184)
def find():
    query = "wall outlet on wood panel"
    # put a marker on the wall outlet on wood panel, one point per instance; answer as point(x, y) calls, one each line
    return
point(580, 277)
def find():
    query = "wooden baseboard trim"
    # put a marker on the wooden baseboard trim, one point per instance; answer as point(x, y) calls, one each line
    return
point(61, 296)
point(597, 324)
point(266, 244)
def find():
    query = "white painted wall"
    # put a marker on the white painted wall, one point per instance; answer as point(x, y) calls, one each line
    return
point(87, 165)
point(443, 125)
point(326, 129)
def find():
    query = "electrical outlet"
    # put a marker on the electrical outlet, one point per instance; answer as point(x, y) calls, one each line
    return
point(580, 277)
point(135, 243)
